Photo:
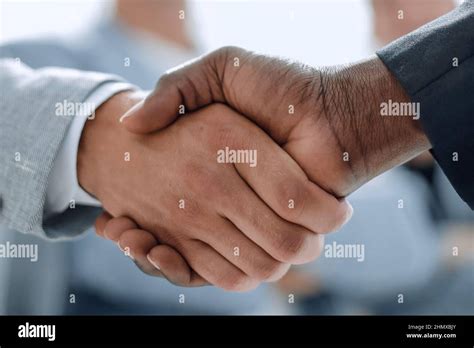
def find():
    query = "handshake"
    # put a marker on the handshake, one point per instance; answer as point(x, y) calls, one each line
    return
point(237, 164)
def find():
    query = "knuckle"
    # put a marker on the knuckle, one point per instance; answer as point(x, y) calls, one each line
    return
point(284, 268)
point(315, 244)
point(291, 198)
point(230, 282)
point(291, 247)
point(227, 51)
point(295, 247)
point(336, 218)
point(165, 79)
point(271, 270)
point(301, 248)
point(314, 247)
point(237, 282)
point(225, 57)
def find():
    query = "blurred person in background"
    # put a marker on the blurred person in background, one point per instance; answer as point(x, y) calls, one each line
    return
point(141, 40)
point(429, 279)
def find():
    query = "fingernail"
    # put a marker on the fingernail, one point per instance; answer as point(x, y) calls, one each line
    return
point(131, 111)
point(152, 262)
point(350, 212)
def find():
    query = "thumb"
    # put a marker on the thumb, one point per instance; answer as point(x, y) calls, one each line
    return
point(184, 89)
point(148, 115)
point(259, 87)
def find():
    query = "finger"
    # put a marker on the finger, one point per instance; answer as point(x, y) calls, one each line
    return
point(116, 226)
point(238, 249)
point(281, 183)
point(215, 269)
point(284, 241)
point(157, 260)
point(174, 266)
point(101, 222)
point(136, 244)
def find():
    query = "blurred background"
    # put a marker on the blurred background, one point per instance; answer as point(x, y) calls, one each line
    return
point(409, 248)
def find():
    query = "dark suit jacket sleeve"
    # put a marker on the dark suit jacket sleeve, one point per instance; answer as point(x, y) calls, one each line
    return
point(424, 62)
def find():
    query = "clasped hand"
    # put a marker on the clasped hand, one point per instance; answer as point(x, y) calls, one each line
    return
point(180, 212)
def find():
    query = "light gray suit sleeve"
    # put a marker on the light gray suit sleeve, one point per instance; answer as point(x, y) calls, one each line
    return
point(30, 136)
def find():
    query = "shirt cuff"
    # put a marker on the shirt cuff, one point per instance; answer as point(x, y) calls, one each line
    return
point(63, 187)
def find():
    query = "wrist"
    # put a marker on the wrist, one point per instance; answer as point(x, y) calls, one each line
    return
point(364, 108)
point(99, 136)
